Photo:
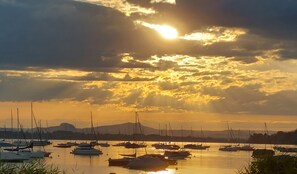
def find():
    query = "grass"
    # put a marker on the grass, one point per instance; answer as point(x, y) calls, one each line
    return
point(283, 164)
point(32, 167)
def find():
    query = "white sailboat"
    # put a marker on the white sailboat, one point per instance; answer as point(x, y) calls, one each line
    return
point(6, 156)
point(85, 148)
point(13, 155)
point(39, 153)
point(88, 151)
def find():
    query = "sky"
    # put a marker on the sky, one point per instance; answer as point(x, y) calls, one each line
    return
point(191, 63)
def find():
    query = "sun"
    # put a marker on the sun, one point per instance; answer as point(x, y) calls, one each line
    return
point(167, 32)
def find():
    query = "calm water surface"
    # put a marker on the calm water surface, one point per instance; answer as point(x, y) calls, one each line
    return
point(211, 161)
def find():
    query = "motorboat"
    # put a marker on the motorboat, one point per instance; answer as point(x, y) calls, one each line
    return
point(41, 142)
point(104, 144)
point(129, 155)
point(63, 145)
point(88, 151)
point(72, 143)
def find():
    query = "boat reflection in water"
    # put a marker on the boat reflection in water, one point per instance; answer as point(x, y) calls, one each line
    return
point(148, 162)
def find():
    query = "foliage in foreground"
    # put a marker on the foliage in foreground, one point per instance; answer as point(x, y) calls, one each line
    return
point(283, 164)
point(33, 167)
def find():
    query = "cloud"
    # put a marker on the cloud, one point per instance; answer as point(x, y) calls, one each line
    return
point(269, 24)
point(251, 100)
point(271, 18)
point(68, 34)
point(77, 35)
point(20, 89)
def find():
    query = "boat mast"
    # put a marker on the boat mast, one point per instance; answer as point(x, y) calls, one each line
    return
point(32, 122)
point(266, 133)
point(92, 127)
point(5, 131)
point(135, 126)
point(11, 119)
point(18, 126)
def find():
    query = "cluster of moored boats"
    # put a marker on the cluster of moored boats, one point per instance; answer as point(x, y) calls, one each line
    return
point(21, 151)
point(171, 153)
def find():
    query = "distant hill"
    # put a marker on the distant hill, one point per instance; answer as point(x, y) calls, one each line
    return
point(62, 127)
point(127, 129)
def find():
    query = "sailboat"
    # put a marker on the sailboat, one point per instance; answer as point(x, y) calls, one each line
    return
point(176, 154)
point(147, 162)
point(134, 145)
point(11, 155)
point(262, 153)
point(197, 146)
point(230, 147)
point(85, 148)
point(247, 147)
point(40, 141)
point(166, 145)
point(29, 149)
point(129, 158)
point(3, 142)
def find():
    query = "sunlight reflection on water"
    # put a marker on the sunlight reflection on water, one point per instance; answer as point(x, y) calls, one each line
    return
point(211, 161)
point(168, 171)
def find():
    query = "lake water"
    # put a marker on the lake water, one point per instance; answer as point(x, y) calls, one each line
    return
point(210, 161)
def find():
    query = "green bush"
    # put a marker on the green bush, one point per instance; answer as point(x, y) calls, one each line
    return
point(283, 164)
point(32, 167)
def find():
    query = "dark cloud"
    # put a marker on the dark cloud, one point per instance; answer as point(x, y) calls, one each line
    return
point(270, 24)
point(273, 18)
point(69, 34)
point(30, 89)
